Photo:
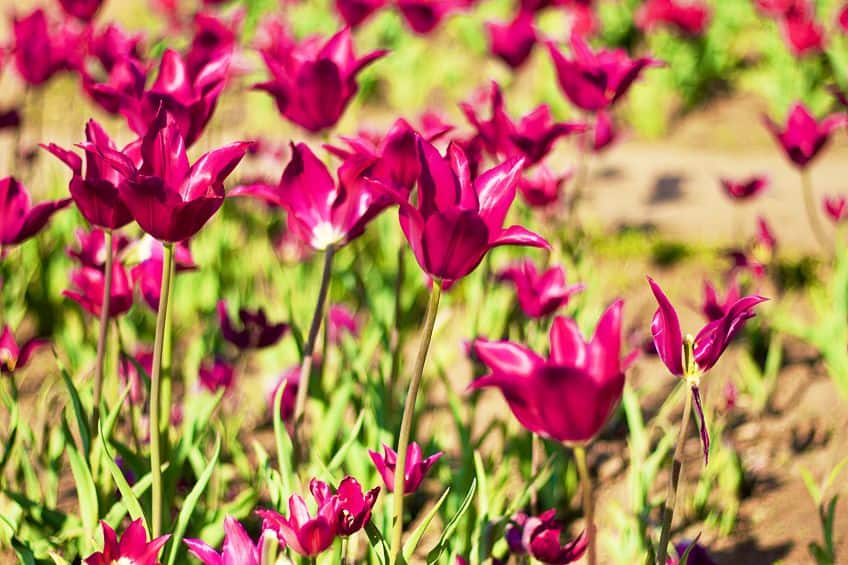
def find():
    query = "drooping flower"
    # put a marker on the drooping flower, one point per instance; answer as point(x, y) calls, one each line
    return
point(415, 471)
point(570, 395)
point(312, 83)
point(256, 331)
point(512, 42)
point(83, 10)
point(690, 18)
point(170, 200)
point(706, 347)
point(238, 548)
point(540, 537)
point(133, 547)
point(341, 320)
point(455, 221)
point(321, 211)
point(539, 294)
point(87, 289)
point(302, 533)
point(13, 356)
point(217, 374)
point(836, 208)
point(714, 308)
point(19, 220)
point(355, 505)
point(355, 12)
point(541, 188)
point(96, 193)
point(744, 189)
point(594, 81)
point(803, 137)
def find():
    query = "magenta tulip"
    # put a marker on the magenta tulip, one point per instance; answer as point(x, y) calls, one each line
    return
point(415, 469)
point(291, 378)
point(803, 34)
point(14, 356)
point(698, 555)
point(238, 548)
point(133, 546)
point(836, 208)
point(355, 12)
point(87, 289)
point(123, 84)
point(569, 396)
point(128, 372)
point(539, 294)
point(423, 16)
point(170, 200)
point(803, 137)
point(595, 81)
point(215, 375)
point(512, 42)
point(455, 221)
point(96, 193)
point(340, 321)
point(304, 534)
point(541, 188)
point(213, 39)
point(744, 189)
point(540, 537)
point(148, 272)
point(690, 18)
point(83, 10)
point(91, 247)
point(19, 220)
point(603, 135)
point(112, 44)
point(714, 308)
point(842, 19)
point(355, 505)
point(256, 331)
point(312, 83)
point(765, 236)
point(40, 52)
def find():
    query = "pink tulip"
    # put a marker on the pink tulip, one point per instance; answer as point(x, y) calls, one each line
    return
point(541, 188)
point(133, 546)
point(128, 372)
point(842, 18)
point(569, 396)
point(423, 16)
point(213, 39)
point(744, 189)
point(256, 331)
point(19, 220)
point(803, 137)
point(341, 320)
point(91, 247)
point(603, 135)
point(540, 537)
point(302, 533)
point(355, 505)
point(355, 12)
point(803, 34)
point(836, 208)
point(238, 548)
point(13, 356)
point(415, 470)
point(148, 273)
point(715, 308)
point(83, 10)
point(40, 50)
point(87, 289)
point(539, 294)
point(291, 378)
point(690, 19)
point(512, 42)
point(216, 375)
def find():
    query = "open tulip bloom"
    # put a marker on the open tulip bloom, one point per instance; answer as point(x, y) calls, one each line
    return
point(539, 294)
point(304, 534)
point(14, 356)
point(802, 137)
point(690, 358)
point(416, 466)
point(540, 536)
point(238, 548)
point(133, 546)
point(19, 219)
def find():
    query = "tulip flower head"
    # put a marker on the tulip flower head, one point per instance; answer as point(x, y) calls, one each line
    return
point(803, 137)
point(713, 307)
point(340, 321)
point(744, 189)
point(91, 250)
point(312, 83)
point(148, 272)
point(238, 548)
point(693, 356)
point(290, 379)
point(423, 16)
point(303, 533)
point(83, 10)
point(87, 289)
point(169, 199)
point(689, 19)
point(355, 505)
point(128, 372)
point(570, 395)
point(256, 331)
point(603, 136)
point(133, 546)
point(540, 537)
point(512, 42)
point(541, 188)
point(40, 51)
point(19, 220)
point(539, 294)
point(802, 33)
point(355, 12)
point(215, 375)
point(14, 356)
point(414, 472)
point(594, 81)
point(698, 555)
point(836, 208)
point(455, 221)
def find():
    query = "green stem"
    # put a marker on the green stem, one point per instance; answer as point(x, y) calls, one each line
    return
point(155, 378)
point(394, 338)
point(103, 333)
point(812, 214)
point(536, 455)
point(406, 421)
point(308, 353)
point(671, 496)
point(588, 503)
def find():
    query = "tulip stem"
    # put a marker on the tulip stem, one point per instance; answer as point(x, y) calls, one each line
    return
point(155, 378)
point(812, 215)
point(308, 353)
point(101, 337)
point(536, 455)
point(394, 338)
point(588, 503)
point(671, 496)
point(406, 420)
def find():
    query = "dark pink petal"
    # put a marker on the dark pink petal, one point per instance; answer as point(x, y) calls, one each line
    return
point(665, 327)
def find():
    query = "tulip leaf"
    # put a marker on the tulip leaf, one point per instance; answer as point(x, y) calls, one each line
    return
point(112, 415)
point(130, 500)
point(190, 502)
point(116, 513)
point(79, 412)
point(10, 441)
point(282, 439)
point(415, 537)
point(377, 541)
point(58, 559)
point(332, 420)
point(543, 476)
point(338, 458)
point(86, 491)
point(450, 527)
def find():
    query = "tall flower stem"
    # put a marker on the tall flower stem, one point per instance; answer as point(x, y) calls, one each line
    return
point(155, 378)
point(394, 338)
point(588, 503)
point(536, 455)
point(103, 333)
point(676, 468)
point(812, 214)
point(309, 350)
point(408, 413)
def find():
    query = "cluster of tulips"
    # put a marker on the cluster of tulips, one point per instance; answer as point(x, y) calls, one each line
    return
point(452, 193)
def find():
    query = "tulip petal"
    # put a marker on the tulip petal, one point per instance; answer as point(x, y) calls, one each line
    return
point(665, 327)
point(705, 433)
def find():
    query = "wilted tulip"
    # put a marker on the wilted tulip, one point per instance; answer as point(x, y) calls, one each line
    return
point(594, 81)
point(455, 222)
point(690, 18)
point(414, 470)
point(133, 546)
point(83, 10)
point(539, 294)
point(355, 505)
point(512, 42)
point(836, 208)
point(803, 137)
point(13, 356)
point(569, 396)
point(744, 189)
point(306, 535)
point(256, 331)
point(540, 187)
point(311, 83)
point(19, 220)
point(238, 548)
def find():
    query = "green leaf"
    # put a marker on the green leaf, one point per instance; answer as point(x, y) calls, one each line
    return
point(130, 500)
point(450, 527)
point(79, 411)
point(377, 541)
point(116, 513)
point(811, 485)
point(338, 458)
point(190, 502)
point(86, 491)
point(282, 439)
point(415, 537)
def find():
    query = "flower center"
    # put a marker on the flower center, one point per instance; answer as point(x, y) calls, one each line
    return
point(326, 234)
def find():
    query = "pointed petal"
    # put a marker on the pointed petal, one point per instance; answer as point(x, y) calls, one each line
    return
point(665, 327)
